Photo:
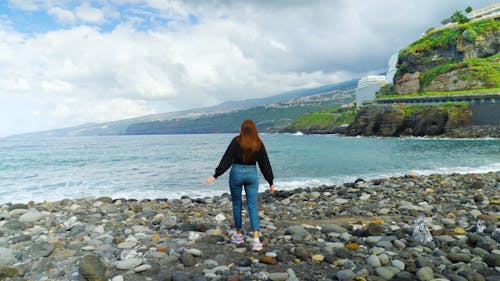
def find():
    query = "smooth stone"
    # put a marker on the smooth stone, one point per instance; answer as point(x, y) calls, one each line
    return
point(128, 263)
point(243, 261)
point(221, 268)
point(33, 216)
point(314, 195)
point(99, 229)
point(373, 260)
point(19, 238)
point(333, 228)
point(448, 221)
point(271, 254)
point(425, 273)
point(88, 248)
point(458, 257)
point(14, 225)
point(445, 238)
point(240, 250)
point(364, 197)
point(373, 239)
point(140, 228)
point(474, 213)
point(345, 236)
point(345, 274)
point(479, 251)
point(386, 272)
point(278, 276)
point(118, 278)
point(142, 268)
point(404, 276)
point(18, 212)
point(398, 264)
point(42, 249)
point(268, 260)
point(211, 275)
point(385, 244)
point(492, 260)
point(92, 268)
point(384, 259)
point(187, 259)
point(297, 231)
point(18, 206)
point(127, 245)
point(317, 258)
point(194, 252)
point(7, 256)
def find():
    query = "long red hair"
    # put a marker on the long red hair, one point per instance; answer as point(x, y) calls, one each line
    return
point(249, 140)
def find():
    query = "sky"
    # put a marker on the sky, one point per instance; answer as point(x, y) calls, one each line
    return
point(65, 62)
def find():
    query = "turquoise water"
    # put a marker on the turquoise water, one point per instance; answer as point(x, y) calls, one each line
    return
point(169, 166)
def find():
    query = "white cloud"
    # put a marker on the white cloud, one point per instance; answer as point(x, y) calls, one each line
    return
point(100, 110)
point(28, 5)
point(86, 13)
point(235, 50)
point(62, 15)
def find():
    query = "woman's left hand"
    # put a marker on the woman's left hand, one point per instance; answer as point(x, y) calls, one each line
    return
point(210, 180)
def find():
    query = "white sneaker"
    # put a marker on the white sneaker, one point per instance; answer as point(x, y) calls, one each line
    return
point(256, 245)
point(237, 239)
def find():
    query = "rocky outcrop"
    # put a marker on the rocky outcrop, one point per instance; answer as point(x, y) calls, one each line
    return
point(409, 83)
point(398, 120)
point(443, 60)
point(452, 81)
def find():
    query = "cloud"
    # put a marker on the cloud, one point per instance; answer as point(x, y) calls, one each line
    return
point(28, 5)
point(86, 13)
point(117, 59)
point(63, 16)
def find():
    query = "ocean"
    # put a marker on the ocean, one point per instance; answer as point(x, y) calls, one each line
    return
point(171, 166)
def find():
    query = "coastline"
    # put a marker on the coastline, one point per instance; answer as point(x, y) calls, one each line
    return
point(363, 230)
point(469, 132)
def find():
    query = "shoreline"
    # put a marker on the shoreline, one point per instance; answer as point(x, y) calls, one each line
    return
point(362, 230)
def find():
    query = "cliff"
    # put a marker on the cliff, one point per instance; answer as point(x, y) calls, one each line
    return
point(461, 57)
point(414, 120)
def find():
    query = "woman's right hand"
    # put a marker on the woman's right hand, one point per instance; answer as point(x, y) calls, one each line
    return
point(210, 180)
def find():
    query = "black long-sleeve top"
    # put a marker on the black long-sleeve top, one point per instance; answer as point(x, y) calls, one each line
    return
point(233, 155)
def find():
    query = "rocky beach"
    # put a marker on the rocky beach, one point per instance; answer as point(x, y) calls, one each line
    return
point(435, 227)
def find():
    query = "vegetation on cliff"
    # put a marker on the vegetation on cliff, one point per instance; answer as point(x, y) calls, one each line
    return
point(322, 120)
point(460, 57)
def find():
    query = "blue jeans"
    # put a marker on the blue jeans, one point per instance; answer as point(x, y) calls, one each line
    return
point(244, 176)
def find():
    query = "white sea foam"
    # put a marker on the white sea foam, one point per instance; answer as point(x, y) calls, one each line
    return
point(330, 181)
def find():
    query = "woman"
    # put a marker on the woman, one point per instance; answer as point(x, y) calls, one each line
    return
point(244, 151)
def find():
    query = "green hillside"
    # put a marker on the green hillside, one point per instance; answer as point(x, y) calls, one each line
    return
point(322, 120)
point(457, 58)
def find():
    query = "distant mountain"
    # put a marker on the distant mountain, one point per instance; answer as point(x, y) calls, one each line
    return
point(268, 118)
point(275, 111)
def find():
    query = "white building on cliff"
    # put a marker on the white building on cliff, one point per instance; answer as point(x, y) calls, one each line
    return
point(391, 71)
point(489, 11)
point(367, 87)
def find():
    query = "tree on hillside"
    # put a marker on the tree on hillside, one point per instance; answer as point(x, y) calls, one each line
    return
point(459, 17)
